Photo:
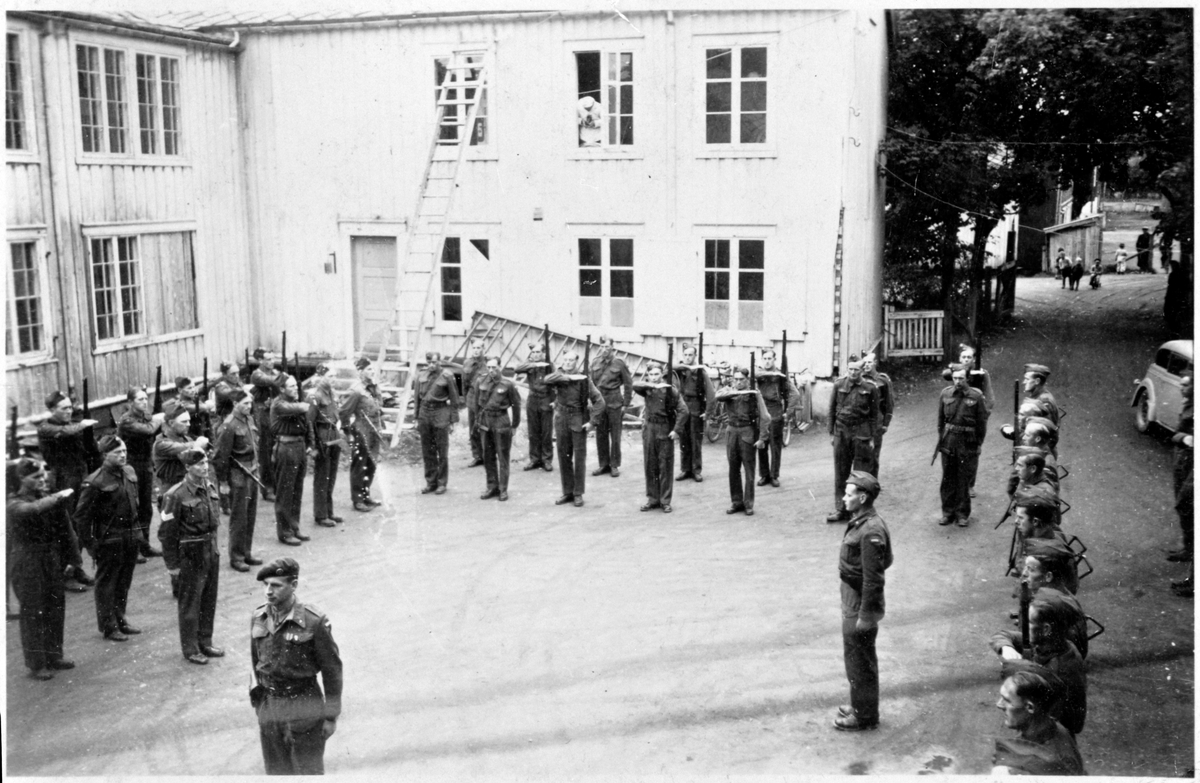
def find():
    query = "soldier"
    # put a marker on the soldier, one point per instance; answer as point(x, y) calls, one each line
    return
point(290, 644)
point(320, 372)
point(1183, 482)
point(853, 423)
point(323, 419)
point(539, 409)
point(612, 378)
point(976, 379)
point(494, 395)
point(472, 371)
point(236, 464)
point(66, 446)
point(962, 425)
point(190, 516)
point(698, 395)
point(664, 420)
point(42, 549)
point(865, 555)
point(887, 403)
point(361, 420)
point(1042, 746)
point(436, 411)
point(573, 390)
point(230, 379)
point(1034, 383)
point(1033, 468)
point(1042, 434)
point(138, 429)
point(777, 391)
point(266, 380)
point(187, 393)
point(173, 439)
point(747, 431)
point(106, 518)
point(293, 445)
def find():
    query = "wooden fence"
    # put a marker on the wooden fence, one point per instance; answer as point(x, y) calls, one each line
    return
point(911, 333)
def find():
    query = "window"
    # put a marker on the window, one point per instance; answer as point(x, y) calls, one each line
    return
point(604, 98)
point(25, 330)
point(452, 274)
point(14, 97)
point(142, 284)
point(614, 256)
point(103, 110)
point(724, 284)
point(448, 134)
point(735, 95)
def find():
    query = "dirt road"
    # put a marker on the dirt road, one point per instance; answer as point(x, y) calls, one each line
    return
point(523, 639)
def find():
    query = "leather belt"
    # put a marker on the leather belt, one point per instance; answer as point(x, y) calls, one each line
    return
point(959, 428)
point(288, 438)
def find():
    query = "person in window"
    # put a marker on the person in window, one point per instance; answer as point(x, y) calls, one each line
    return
point(590, 115)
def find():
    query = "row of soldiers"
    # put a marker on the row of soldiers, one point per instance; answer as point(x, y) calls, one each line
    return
point(189, 462)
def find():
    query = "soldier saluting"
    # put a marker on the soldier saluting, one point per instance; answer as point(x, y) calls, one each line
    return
point(664, 421)
point(747, 432)
point(494, 395)
point(697, 390)
point(436, 411)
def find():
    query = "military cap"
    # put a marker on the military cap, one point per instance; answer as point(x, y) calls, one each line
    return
point(956, 366)
point(174, 409)
point(238, 394)
point(864, 481)
point(192, 457)
point(54, 398)
point(1037, 496)
point(182, 382)
point(1042, 421)
point(362, 362)
point(1038, 369)
point(225, 366)
point(109, 443)
point(18, 469)
point(853, 360)
point(1047, 549)
point(284, 567)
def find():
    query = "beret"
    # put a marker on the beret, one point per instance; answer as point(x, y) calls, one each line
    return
point(27, 466)
point(1042, 421)
point(1047, 549)
point(54, 398)
point(1038, 369)
point(192, 457)
point(182, 382)
point(238, 394)
point(864, 481)
point(109, 443)
point(362, 362)
point(956, 366)
point(284, 567)
point(174, 409)
point(1037, 496)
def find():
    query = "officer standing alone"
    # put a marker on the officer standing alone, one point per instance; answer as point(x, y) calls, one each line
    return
point(962, 425)
point(853, 423)
point(494, 396)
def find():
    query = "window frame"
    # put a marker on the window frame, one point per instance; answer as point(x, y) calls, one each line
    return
point(430, 52)
point(632, 45)
point(736, 43)
point(131, 51)
point(466, 235)
point(30, 151)
point(606, 235)
point(735, 235)
point(46, 353)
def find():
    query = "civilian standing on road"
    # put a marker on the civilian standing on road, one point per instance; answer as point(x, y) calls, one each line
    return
point(236, 463)
point(494, 396)
point(1121, 258)
point(1062, 266)
point(42, 551)
point(853, 423)
point(961, 426)
point(138, 429)
point(290, 644)
point(539, 409)
point(473, 370)
point(361, 417)
point(612, 378)
point(1144, 241)
point(293, 445)
point(697, 389)
point(745, 434)
point(1042, 746)
point(778, 392)
point(327, 441)
point(664, 421)
point(436, 412)
point(865, 555)
point(265, 381)
point(573, 390)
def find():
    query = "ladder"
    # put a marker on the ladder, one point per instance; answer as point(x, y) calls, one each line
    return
point(462, 90)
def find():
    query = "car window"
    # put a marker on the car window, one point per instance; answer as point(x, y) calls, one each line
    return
point(1163, 358)
point(1177, 364)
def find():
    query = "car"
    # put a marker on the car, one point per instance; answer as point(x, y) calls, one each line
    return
point(1158, 397)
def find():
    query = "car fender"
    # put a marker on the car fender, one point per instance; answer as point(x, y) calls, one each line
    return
point(1145, 386)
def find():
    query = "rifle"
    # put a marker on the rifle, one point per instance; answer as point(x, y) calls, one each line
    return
point(784, 368)
point(1012, 551)
point(671, 363)
point(158, 389)
point(587, 372)
point(937, 447)
point(204, 390)
point(753, 402)
point(296, 366)
point(700, 354)
point(89, 438)
point(249, 473)
point(546, 348)
point(14, 445)
point(1026, 599)
point(283, 351)
point(1016, 419)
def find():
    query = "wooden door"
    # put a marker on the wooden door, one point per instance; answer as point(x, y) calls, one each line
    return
point(374, 263)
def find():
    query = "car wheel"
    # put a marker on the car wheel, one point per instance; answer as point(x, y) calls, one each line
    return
point(1142, 416)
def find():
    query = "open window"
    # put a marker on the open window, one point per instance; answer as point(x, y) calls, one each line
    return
point(449, 130)
point(604, 98)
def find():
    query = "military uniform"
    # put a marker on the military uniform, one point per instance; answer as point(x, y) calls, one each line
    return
point(698, 395)
point(473, 371)
point(853, 423)
point(266, 383)
point(41, 545)
point(748, 415)
point(106, 518)
point(138, 432)
point(221, 391)
point(887, 405)
point(615, 384)
point(360, 414)
point(1067, 672)
point(492, 400)
point(572, 394)
point(168, 469)
point(1182, 473)
point(865, 555)
point(962, 425)
point(778, 393)
point(539, 413)
point(437, 409)
point(238, 442)
point(323, 419)
point(287, 653)
point(664, 413)
point(293, 437)
point(190, 517)
point(1051, 753)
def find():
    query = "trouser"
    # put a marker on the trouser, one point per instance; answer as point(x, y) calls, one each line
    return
point(362, 468)
point(572, 457)
point(435, 450)
point(850, 452)
point(199, 565)
point(875, 454)
point(145, 510)
point(291, 463)
point(291, 730)
point(540, 424)
point(72, 480)
point(862, 664)
point(243, 509)
point(474, 435)
point(325, 465)
point(741, 456)
point(958, 468)
point(691, 442)
point(266, 443)
point(38, 583)
point(608, 437)
point(769, 457)
point(658, 459)
point(115, 560)
point(497, 448)
point(1184, 496)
